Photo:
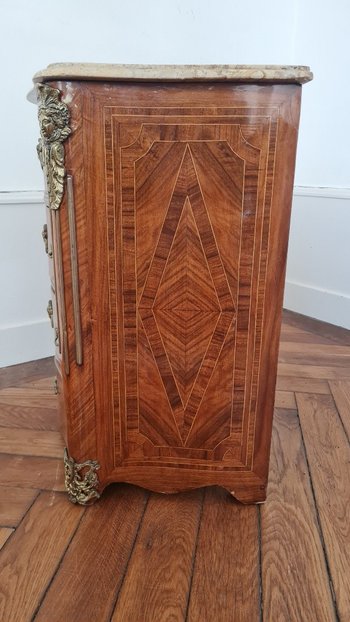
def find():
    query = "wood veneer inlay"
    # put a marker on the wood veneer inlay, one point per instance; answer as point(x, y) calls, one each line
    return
point(182, 202)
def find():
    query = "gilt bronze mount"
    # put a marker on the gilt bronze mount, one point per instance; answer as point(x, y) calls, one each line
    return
point(81, 480)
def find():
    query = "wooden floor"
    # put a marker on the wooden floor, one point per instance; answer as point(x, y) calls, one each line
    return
point(141, 557)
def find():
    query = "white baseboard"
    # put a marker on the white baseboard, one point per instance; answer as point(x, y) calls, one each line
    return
point(21, 197)
point(322, 192)
point(26, 342)
point(332, 307)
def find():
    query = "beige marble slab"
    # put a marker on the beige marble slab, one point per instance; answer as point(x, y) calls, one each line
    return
point(173, 73)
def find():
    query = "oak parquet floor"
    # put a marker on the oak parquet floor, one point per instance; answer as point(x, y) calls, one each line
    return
point(198, 556)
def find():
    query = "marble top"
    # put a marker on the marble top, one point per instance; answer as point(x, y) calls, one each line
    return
point(297, 74)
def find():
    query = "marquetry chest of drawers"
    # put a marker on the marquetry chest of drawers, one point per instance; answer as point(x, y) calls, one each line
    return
point(168, 194)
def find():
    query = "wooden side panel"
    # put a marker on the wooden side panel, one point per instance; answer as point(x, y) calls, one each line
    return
point(182, 227)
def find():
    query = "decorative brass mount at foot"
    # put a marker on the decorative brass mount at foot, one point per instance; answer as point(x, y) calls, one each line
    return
point(81, 480)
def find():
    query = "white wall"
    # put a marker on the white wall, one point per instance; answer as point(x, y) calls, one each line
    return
point(321, 39)
point(318, 273)
point(169, 31)
point(25, 333)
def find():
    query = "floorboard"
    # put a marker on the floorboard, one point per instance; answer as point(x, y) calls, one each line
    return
point(285, 399)
point(31, 472)
point(302, 385)
point(5, 533)
point(226, 577)
point(313, 371)
point(31, 557)
point(314, 354)
point(31, 442)
point(341, 393)
point(336, 334)
point(93, 568)
point(157, 584)
point(14, 503)
point(28, 408)
point(14, 375)
point(291, 543)
point(328, 454)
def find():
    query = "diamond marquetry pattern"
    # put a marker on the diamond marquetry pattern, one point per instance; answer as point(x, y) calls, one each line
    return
point(186, 308)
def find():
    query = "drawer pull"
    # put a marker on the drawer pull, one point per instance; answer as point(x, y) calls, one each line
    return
point(50, 312)
point(57, 337)
point(55, 386)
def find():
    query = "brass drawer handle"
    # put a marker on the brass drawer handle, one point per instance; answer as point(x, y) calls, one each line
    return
point(57, 337)
point(55, 386)
point(45, 237)
point(50, 312)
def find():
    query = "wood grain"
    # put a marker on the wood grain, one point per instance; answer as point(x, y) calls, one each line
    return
point(44, 385)
point(291, 334)
point(31, 442)
point(225, 583)
point(31, 472)
point(5, 533)
point(341, 394)
point(336, 334)
point(291, 544)
point(313, 371)
point(16, 374)
point(328, 455)
point(36, 547)
point(314, 354)
point(29, 396)
point(28, 408)
point(285, 399)
point(302, 385)
point(157, 584)
point(92, 571)
point(14, 503)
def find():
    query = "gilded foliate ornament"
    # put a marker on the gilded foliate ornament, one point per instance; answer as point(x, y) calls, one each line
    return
point(81, 480)
point(54, 129)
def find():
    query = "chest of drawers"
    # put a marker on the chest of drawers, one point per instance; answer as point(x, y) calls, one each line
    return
point(168, 193)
